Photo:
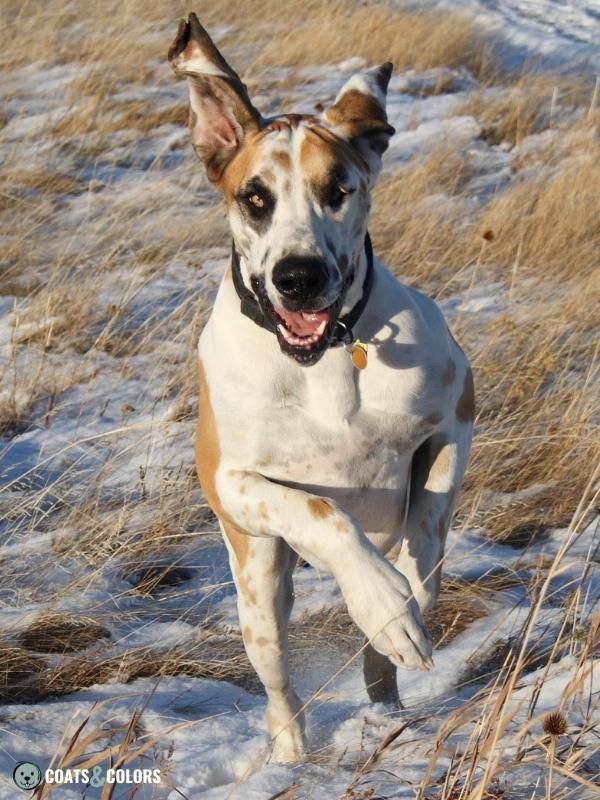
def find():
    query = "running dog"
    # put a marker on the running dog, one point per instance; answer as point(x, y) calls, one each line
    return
point(336, 409)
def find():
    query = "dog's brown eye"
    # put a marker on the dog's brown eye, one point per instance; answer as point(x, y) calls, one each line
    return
point(256, 200)
point(336, 195)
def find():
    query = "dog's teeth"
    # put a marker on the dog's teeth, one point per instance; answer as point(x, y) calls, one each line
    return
point(305, 342)
point(285, 333)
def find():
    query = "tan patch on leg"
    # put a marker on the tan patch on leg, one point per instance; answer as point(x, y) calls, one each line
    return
point(208, 452)
point(320, 508)
point(262, 510)
point(247, 635)
point(440, 459)
point(465, 408)
point(208, 456)
point(262, 641)
point(243, 585)
point(239, 541)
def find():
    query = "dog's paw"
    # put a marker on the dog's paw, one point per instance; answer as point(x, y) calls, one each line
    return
point(286, 726)
point(288, 746)
point(383, 607)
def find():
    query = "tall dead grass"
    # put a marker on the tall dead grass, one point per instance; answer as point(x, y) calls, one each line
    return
point(332, 31)
point(544, 222)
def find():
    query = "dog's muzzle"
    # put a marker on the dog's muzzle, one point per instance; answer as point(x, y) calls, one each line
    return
point(305, 328)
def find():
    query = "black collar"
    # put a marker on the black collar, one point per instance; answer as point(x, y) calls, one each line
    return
point(343, 334)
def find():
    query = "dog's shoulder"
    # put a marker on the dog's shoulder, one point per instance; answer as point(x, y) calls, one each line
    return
point(404, 315)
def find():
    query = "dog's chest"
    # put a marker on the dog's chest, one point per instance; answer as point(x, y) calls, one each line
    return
point(338, 429)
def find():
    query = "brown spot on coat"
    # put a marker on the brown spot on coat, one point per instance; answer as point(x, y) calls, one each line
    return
point(243, 586)
point(247, 635)
point(282, 159)
point(320, 508)
point(357, 113)
point(465, 408)
point(239, 169)
point(322, 154)
point(262, 641)
point(268, 176)
point(262, 510)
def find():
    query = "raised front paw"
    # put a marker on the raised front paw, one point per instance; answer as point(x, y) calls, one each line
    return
point(382, 605)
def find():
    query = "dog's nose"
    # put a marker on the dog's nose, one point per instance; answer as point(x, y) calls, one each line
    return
point(300, 278)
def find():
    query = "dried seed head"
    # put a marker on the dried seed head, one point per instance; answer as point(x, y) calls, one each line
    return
point(488, 235)
point(554, 724)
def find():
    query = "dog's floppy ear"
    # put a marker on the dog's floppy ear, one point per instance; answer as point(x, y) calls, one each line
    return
point(358, 114)
point(221, 114)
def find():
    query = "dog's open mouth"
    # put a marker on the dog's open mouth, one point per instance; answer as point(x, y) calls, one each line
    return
point(303, 335)
point(302, 328)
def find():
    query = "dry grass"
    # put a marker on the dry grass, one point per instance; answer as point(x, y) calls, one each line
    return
point(543, 222)
point(410, 40)
point(549, 223)
point(529, 105)
point(61, 633)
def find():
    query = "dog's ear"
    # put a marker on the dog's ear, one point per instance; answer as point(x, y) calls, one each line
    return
point(358, 114)
point(221, 114)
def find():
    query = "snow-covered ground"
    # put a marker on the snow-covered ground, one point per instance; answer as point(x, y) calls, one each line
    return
point(544, 33)
point(104, 446)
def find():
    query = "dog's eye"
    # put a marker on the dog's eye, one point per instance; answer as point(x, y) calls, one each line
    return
point(256, 200)
point(257, 203)
point(336, 195)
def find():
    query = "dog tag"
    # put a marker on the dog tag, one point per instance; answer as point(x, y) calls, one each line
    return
point(358, 354)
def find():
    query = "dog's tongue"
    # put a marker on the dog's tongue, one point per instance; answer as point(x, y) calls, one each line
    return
point(303, 323)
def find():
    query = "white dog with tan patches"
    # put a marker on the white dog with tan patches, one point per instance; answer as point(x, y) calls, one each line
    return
point(336, 409)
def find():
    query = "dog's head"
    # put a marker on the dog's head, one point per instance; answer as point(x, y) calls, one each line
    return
point(296, 188)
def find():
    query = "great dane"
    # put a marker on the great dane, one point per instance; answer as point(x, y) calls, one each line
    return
point(336, 409)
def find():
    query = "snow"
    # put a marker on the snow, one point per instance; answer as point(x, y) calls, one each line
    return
point(543, 33)
point(115, 435)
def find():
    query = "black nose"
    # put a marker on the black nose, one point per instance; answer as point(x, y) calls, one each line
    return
point(300, 278)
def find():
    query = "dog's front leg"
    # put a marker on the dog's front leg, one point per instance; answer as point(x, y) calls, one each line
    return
point(378, 597)
point(262, 570)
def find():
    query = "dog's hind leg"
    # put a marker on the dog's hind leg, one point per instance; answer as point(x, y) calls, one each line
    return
point(437, 471)
point(380, 678)
point(262, 569)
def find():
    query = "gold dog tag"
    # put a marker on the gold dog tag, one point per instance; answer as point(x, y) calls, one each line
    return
point(358, 354)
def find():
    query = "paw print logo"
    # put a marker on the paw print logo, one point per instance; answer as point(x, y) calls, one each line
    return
point(27, 775)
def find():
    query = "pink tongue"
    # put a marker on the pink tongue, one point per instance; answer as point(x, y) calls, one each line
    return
point(303, 323)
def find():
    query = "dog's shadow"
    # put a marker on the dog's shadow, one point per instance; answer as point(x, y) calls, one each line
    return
point(383, 338)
